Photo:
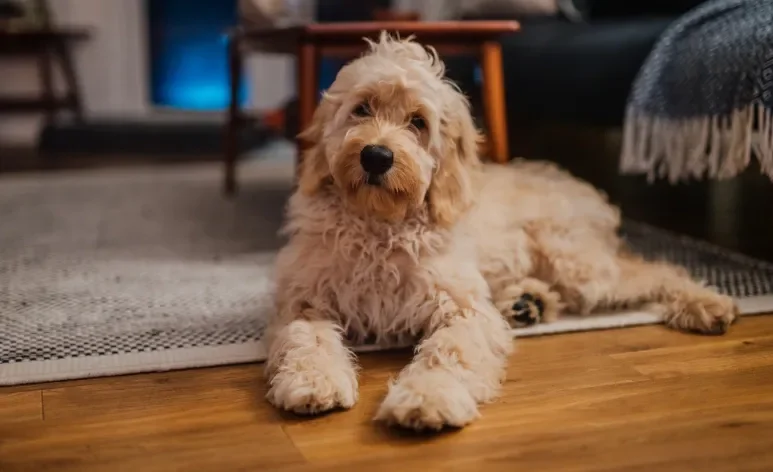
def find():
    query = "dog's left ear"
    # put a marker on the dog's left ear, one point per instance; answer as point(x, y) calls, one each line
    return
point(451, 192)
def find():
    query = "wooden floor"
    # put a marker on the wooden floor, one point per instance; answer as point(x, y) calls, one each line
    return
point(645, 399)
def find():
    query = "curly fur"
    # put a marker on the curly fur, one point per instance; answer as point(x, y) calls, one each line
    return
point(439, 251)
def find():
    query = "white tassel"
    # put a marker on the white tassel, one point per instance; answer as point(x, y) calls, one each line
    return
point(762, 143)
point(718, 147)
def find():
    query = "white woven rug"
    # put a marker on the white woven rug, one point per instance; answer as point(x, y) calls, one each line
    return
point(122, 271)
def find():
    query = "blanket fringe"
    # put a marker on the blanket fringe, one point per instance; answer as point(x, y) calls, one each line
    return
point(716, 146)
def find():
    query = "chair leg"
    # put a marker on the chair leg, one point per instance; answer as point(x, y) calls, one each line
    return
point(308, 88)
point(494, 100)
point(234, 120)
point(74, 102)
point(45, 74)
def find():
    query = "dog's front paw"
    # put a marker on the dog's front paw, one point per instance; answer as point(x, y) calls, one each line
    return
point(314, 389)
point(704, 312)
point(429, 400)
point(528, 302)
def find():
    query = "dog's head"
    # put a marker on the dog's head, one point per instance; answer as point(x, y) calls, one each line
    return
point(392, 135)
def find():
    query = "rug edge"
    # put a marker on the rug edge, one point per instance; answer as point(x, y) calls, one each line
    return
point(255, 351)
point(129, 363)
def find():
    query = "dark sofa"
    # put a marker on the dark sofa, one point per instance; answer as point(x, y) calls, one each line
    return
point(563, 70)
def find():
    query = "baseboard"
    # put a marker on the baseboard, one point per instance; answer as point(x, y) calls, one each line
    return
point(152, 137)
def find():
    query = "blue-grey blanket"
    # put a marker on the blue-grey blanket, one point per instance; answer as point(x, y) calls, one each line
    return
point(702, 104)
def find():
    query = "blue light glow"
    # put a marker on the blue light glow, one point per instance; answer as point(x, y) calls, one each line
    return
point(189, 61)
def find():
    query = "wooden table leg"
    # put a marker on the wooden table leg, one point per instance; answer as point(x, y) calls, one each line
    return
point(234, 120)
point(308, 88)
point(494, 100)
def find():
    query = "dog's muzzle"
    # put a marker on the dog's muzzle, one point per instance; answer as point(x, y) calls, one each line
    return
point(376, 161)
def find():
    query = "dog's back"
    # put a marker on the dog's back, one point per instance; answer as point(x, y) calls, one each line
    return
point(520, 199)
point(530, 191)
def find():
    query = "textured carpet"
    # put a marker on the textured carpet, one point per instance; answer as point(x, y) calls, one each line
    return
point(122, 271)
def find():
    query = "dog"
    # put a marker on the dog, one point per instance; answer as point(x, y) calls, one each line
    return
point(397, 233)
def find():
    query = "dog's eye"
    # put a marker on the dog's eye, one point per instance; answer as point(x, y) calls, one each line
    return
point(362, 110)
point(418, 122)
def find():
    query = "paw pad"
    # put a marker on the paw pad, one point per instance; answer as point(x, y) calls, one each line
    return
point(528, 309)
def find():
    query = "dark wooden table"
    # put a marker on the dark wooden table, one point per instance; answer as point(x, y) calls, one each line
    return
point(49, 46)
point(311, 42)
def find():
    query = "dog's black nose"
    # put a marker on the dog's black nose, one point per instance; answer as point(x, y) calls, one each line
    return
point(376, 160)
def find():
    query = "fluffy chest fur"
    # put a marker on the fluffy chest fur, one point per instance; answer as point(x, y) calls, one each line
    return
point(369, 276)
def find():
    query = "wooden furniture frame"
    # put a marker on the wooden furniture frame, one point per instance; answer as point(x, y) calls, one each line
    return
point(310, 43)
point(51, 45)
point(50, 48)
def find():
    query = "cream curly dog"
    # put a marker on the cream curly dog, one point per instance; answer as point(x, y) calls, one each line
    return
point(397, 233)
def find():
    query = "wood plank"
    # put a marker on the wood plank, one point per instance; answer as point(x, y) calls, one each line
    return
point(721, 355)
point(225, 440)
point(17, 407)
point(199, 391)
point(149, 422)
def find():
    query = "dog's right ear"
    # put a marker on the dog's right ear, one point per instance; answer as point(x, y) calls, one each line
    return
point(313, 169)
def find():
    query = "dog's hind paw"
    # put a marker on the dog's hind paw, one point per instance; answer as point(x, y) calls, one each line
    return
point(704, 312)
point(528, 309)
point(527, 303)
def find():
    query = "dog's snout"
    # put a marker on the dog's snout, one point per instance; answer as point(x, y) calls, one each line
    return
point(376, 159)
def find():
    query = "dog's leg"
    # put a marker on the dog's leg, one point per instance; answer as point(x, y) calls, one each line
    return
point(590, 273)
point(527, 302)
point(622, 280)
point(460, 363)
point(684, 303)
point(309, 368)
